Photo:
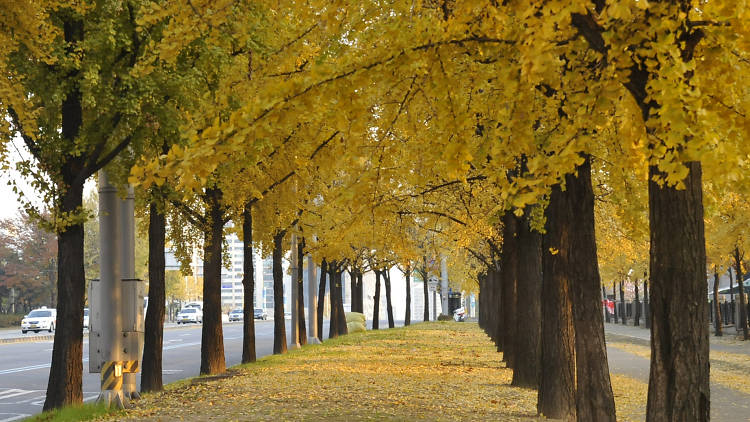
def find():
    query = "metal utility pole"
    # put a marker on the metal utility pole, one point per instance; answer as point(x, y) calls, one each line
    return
point(444, 285)
point(116, 300)
point(106, 300)
point(294, 337)
point(312, 302)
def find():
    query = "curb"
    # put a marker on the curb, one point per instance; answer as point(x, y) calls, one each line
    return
point(28, 339)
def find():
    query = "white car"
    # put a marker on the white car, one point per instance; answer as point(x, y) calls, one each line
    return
point(39, 319)
point(236, 315)
point(189, 315)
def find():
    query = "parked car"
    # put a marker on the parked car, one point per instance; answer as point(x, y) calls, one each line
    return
point(189, 315)
point(260, 314)
point(39, 319)
point(86, 318)
point(236, 315)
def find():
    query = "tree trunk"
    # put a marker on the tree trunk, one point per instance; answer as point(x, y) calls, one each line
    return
point(389, 304)
point(321, 297)
point(279, 323)
point(151, 376)
point(623, 311)
point(678, 387)
point(64, 386)
point(572, 215)
point(637, 304)
point(717, 308)
point(509, 264)
point(407, 317)
point(426, 313)
point(731, 297)
point(556, 397)
point(333, 321)
point(248, 284)
point(340, 315)
point(301, 330)
point(614, 298)
point(376, 303)
point(353, 289)
point(212, 336)
point(529, 318)
point(646, 306)
point(741, 290)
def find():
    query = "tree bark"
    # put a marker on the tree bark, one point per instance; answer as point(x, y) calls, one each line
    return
point(637, 304)
point(333, 321)
point(64, 386)
point(679, 377)
point(731, 297)
point(741, 290)
point(509, 264)
point(212, 336)
point(556, 396)
point(614, 298)
point(529, 319)
point(717, 307)
point(573, 215)
point(389, 304)
point(248, 284)
point(340, 315)
point(151, 376)
point(321, 297)
point(376, 303)
point(279, 323)
point(407, 316)
point(646, 306)
point(623, 311)
point(426, 313)
point(301, 330)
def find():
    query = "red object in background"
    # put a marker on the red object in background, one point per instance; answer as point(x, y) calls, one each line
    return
point(610, 305)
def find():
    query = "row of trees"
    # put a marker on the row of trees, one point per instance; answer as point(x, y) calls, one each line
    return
point(412, 130)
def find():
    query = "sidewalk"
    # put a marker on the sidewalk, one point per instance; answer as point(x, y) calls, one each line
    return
point(628, 352)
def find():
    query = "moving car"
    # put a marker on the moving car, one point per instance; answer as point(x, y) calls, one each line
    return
point(86, 318)
point(260, 314)
point(39, 319)
point(236, 315)
point(190, 315)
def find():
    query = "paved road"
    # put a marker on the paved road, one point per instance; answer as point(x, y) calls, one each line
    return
point(24, 367)
point(726, 404)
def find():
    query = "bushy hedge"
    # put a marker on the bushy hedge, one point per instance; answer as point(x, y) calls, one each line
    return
point(10, 320)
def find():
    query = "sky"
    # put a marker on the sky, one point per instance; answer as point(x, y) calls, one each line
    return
point(9, 205)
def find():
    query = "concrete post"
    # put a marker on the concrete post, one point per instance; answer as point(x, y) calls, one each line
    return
point(444, 285)
point(312, 302)
point(110, 295)
point(294, 336)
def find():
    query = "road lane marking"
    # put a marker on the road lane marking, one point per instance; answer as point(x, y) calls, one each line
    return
point(13, 417)
point(30, 368)
point(171, 371)
point(177, 346)
point(14, 392)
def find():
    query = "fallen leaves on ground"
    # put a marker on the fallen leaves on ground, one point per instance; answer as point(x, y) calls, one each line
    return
point(428, 371)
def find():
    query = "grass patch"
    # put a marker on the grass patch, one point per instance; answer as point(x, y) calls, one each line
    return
point(83, 412)
point(428, 371)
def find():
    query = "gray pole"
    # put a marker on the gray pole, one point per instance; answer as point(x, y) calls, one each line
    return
point(444, 285)
point(127, 229)
point(312, 302)
point(294, 337)
point(110, 324)
point(434, 305)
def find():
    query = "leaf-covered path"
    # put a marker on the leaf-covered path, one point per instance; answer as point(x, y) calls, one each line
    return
point(428, 371)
